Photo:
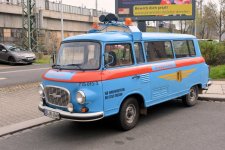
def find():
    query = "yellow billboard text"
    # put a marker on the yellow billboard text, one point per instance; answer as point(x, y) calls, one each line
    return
point(162, 10)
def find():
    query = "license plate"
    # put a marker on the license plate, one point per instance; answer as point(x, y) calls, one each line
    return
point(51, 114)
point(29, 58)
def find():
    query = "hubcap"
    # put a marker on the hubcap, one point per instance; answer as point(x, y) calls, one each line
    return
point(130, 113)
point(192, 95)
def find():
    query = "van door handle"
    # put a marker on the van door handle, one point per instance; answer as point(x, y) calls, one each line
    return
point(136, 77)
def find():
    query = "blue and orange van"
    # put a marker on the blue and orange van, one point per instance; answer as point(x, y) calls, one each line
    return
point(118, 70)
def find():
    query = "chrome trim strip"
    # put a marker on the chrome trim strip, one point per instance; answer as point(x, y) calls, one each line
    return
point(41, 85)
point(84, 117)
point(46, 99)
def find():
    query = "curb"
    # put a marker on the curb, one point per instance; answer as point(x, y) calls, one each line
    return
point(208, 98)
point(10, 129)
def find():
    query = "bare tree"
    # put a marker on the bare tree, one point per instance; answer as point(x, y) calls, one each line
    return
point(218, 13)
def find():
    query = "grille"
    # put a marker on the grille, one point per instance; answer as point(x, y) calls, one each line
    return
point(57, 96)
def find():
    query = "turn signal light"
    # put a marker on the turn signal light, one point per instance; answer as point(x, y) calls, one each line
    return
point(84, 109)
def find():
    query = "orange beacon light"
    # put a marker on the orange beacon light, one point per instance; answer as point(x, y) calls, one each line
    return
point(128, 21)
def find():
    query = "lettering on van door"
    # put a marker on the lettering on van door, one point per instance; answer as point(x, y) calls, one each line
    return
point(178, 76)
point(88, 84)
point(114, 93)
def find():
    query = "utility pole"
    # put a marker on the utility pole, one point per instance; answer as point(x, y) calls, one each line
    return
point(96, 5)
point(62, 27)
point(29, 23)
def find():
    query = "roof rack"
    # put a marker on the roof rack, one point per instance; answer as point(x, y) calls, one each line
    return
point(109, 23)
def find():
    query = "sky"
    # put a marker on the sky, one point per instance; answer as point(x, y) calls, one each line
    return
point(105, 5)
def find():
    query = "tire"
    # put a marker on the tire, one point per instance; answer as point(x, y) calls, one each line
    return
point(191, 98)
point(129, 114)
point(29, 63)
point(11, 60)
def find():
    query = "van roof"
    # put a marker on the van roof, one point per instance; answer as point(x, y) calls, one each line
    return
point(124, 36)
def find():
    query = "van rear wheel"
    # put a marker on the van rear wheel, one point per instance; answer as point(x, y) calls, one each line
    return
point(191, 98)
point(129, 114)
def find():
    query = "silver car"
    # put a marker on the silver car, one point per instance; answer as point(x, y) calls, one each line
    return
point(14, 54)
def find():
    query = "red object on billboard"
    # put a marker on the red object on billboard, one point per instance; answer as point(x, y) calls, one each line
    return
point(165, 2)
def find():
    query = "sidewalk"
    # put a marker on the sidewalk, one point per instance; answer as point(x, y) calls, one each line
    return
point(216, 92)
point(19, 106)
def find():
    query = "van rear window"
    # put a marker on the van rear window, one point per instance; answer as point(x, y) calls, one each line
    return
point(158, 50)
point(184, 48)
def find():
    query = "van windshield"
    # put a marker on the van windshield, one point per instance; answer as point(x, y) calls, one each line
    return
point(79, 56)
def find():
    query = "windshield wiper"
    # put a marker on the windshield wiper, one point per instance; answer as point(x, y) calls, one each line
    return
point(55, 66)
point(76, 65)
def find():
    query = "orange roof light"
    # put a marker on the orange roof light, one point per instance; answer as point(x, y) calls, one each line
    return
point(95, 25)
point(128, 21)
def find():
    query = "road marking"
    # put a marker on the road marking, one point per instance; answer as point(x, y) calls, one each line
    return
point(23, 70)
point(3, 78)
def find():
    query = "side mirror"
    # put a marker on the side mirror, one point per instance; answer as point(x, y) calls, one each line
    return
point(110, 59)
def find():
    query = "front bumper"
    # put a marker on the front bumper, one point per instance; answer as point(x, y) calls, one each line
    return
point(25, 59)
point(80, 117)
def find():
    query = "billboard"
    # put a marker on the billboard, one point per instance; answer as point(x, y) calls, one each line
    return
point(151, 10)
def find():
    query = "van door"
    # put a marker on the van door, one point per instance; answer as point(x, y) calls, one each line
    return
point(161, 58)
point(119, 78)
point(144, 76)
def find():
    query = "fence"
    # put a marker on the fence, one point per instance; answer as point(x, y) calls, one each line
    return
point(72, 9)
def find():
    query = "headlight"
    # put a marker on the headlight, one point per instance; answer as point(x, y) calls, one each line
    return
point(41, 90)
point(20, 55)
point(81, 98)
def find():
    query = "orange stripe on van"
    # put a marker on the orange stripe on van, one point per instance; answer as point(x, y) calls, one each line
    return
point(125, 72)
point(93, 76)
point(189, 61)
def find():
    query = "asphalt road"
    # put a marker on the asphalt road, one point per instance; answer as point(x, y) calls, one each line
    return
point(168, 126)
point(20, 74)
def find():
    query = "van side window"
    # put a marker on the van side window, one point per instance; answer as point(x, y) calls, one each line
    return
point(158, 50)
point(191, 48)
point(184, 48)
point(118, 55)
point(139, 53)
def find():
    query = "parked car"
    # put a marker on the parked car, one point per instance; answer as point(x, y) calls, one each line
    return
point(14, 54)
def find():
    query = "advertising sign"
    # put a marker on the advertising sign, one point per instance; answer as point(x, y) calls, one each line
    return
point(156, 9)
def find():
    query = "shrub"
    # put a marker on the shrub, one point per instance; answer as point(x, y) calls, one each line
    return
point(213, 52)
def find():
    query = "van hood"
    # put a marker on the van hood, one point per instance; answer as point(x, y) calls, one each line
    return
point(72, 76)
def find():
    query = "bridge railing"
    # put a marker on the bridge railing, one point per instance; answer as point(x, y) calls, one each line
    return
point(56, 6)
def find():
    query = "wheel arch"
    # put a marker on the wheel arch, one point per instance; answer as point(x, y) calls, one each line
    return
point(199, 86)
point(139, 97)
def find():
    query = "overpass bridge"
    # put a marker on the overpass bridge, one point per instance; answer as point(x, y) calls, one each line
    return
point(77, 20)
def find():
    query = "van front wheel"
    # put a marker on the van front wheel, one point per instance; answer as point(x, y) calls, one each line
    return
point(191, 98)
point(129, 114)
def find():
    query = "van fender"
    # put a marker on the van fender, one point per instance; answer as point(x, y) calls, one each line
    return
point(140, 99)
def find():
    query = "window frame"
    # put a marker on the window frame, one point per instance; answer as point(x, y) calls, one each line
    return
point(140, 50)
point(172, 50)
point(94, 41)
point(188, 46)
point(118, 43)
